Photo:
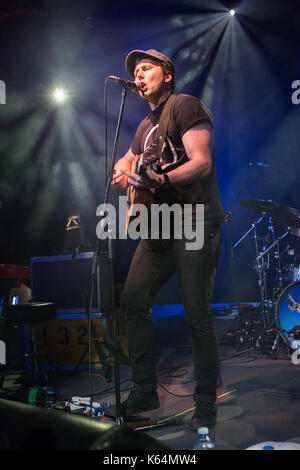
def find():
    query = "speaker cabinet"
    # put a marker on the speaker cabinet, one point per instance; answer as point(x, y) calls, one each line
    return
point(66, 281)
point(25, 427)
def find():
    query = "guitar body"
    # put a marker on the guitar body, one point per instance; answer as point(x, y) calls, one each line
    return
point(137, 196)
point(151, 156)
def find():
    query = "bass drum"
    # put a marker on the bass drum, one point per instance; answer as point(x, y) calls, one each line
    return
point(288, 311)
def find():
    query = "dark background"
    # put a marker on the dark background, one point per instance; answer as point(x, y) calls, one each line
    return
point(52, 158)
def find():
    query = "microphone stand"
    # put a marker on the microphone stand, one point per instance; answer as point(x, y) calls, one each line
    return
point(119, 418)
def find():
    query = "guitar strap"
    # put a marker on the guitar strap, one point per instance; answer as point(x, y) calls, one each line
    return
point(161, 131)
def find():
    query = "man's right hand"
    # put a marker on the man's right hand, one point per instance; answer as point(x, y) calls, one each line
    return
point(119, 179)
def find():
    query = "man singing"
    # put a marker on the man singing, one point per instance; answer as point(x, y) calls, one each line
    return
point(187, 176)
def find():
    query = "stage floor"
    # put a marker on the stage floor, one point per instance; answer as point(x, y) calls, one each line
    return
point(259, 397)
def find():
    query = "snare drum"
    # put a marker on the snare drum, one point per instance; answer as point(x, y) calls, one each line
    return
point(288, 313)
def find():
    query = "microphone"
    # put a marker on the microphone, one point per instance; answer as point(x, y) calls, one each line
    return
point(265, 165)
point(134, 86)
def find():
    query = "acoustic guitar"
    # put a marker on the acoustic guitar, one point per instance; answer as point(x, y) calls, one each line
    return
point(140, 165)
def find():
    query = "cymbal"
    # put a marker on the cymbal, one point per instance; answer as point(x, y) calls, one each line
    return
point(285, 217)
point(261, 205)
point(288, 218)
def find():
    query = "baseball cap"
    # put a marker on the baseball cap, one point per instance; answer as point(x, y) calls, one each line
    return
point(136, 55)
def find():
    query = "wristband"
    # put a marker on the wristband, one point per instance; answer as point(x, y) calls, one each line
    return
point(166, 180)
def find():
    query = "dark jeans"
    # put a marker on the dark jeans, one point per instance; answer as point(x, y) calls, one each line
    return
point(150, 269)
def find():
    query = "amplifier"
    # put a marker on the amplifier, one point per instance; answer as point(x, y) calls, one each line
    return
point(66, 281)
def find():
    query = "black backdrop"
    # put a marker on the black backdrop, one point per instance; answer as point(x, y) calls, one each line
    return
point(52, 160)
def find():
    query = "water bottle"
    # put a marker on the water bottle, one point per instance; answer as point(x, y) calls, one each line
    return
point(203, 442)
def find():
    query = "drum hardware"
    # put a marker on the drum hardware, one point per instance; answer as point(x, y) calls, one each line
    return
point(252, 228)
point(276, 342)
point(296, 273)
point(264, 331)
point(290, 260)
point(255, 332)
point(274, 245)
point(284, 217)
point(249, 329)
point(249, 333)
point(261, 205)
point(288, 218)
point(271, 343)
point(241, 335)
point(262, 258)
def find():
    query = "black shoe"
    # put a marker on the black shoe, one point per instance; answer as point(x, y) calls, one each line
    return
point(205, 415)
point(136, 402)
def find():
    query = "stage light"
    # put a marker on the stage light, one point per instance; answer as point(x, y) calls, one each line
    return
point(232, 12)
point(59, 95)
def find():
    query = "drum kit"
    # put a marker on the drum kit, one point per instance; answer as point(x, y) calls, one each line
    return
point(277, 263)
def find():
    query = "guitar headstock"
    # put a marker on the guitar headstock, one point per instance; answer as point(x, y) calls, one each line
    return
point(152, 153)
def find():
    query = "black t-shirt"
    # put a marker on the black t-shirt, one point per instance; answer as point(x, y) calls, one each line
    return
point(186, 112)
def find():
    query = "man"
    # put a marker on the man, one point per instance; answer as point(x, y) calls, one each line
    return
point(188, 171)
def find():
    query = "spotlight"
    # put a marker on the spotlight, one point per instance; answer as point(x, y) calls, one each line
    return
point(232, 12)
point(59, 95)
